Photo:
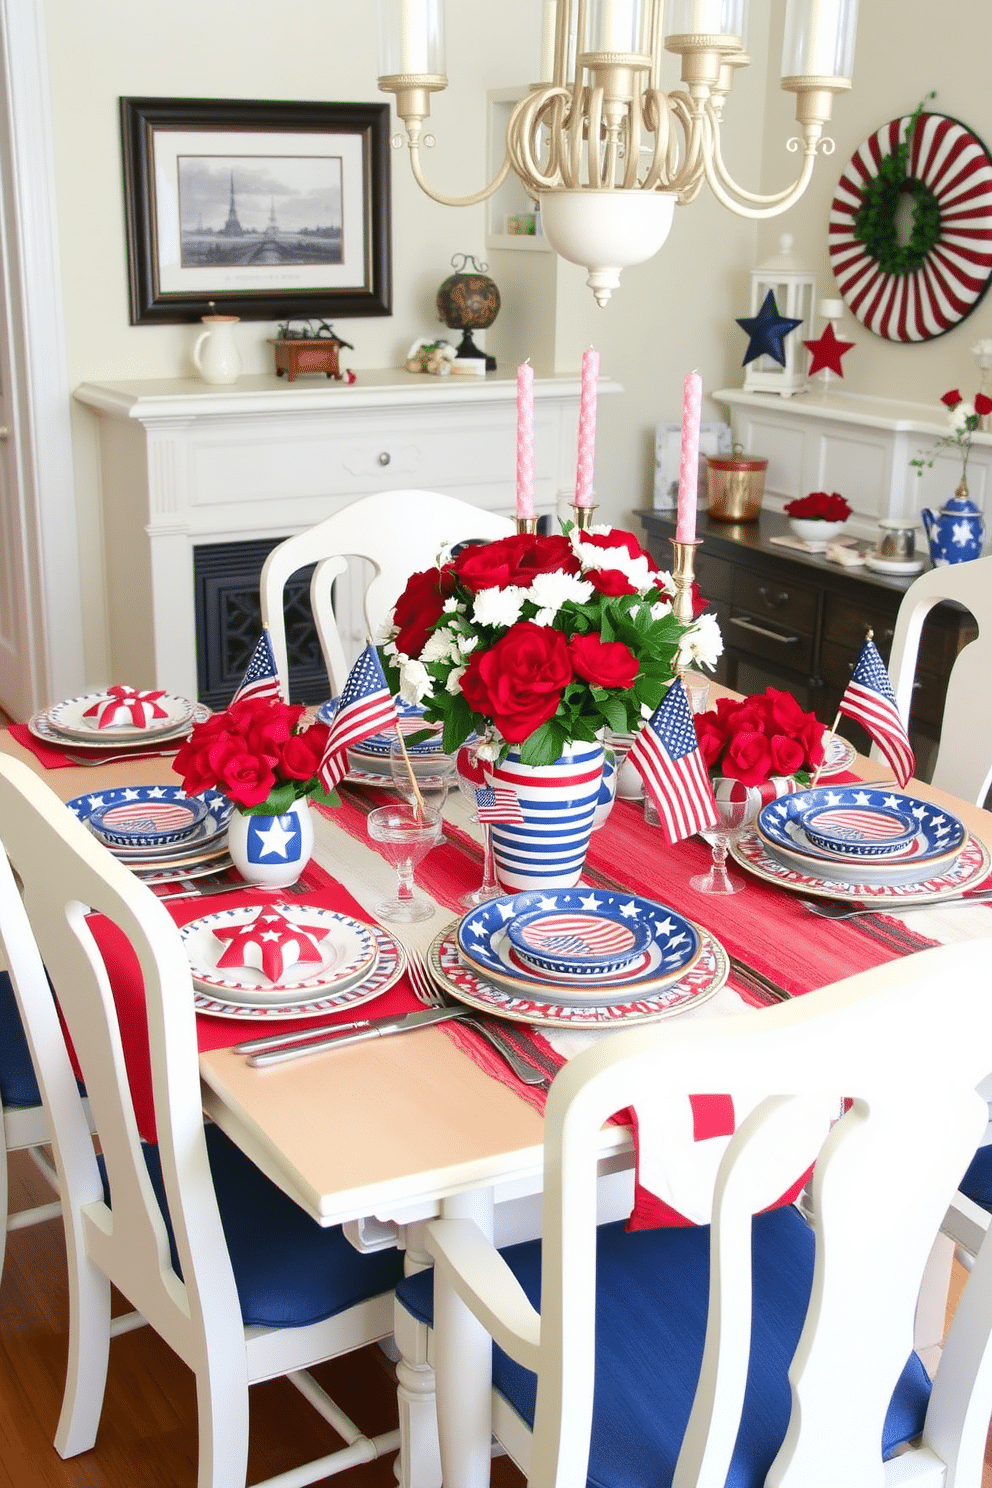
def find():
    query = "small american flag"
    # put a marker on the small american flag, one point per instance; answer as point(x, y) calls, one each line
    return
point(666, 753)
point(366, 707)
point(498, 803)
point(869, 699)
point(261, 680)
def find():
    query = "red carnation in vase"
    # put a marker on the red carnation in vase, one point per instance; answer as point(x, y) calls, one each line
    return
point(951, 399)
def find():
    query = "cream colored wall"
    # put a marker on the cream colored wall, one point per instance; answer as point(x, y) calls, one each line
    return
point(668, 317)
point(905, 49)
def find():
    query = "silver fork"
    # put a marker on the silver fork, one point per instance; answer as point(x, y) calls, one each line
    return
point(83, 761)
point(430, 994)
point(840, 909)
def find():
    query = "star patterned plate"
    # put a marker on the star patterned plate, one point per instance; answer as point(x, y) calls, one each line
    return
point(484, 945)
point(702, 980)
point(346, 952)
point(939, 837)
point(967, 870)
point(388, 970)
point(42, 728)
point(205, 844)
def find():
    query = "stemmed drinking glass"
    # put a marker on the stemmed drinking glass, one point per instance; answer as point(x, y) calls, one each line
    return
point(433, 774)
point(404, 835)
point(735, 815)
point(470, 779)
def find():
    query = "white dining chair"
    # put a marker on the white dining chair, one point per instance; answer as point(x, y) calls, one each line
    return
point(23, 1127)
point(232, 1274)
point(761, 1348)
point(964, 757)
point(397, 532)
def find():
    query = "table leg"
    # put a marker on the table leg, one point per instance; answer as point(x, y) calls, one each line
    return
point(463, 1360)
point(419, 1462)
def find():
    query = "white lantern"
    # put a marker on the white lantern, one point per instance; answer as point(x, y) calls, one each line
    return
point(795, 296)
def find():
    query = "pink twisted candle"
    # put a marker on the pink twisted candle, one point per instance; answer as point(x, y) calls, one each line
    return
point(692, 404)
point(587, 428)
point(525, 441)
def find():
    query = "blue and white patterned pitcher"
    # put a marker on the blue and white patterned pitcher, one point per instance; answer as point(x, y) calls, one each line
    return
point(955, 533)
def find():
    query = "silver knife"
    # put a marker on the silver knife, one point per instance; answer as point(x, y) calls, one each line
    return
point(380, 1029)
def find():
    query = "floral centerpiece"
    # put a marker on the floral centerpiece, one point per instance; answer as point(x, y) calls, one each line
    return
point(259, 755)
point(819, 507)
point(542, 641)
point(760, 741)
point(964, 419)
point(542, 644)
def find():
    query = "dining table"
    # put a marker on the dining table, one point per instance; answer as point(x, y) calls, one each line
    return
point(384, 1135)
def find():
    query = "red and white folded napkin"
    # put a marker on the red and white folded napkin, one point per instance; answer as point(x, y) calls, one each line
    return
point(127, 706)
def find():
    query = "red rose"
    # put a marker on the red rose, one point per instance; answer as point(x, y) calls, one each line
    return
point(245, 778)
point(788, 755)
point(711, 738)
point(603, 663)
point(609, 581)
point(818, 506)
point(786, 713)
point(420, 607)
point(951, 399)
point(983, 404)
point(699, 600)
point(513, 560)
point(812, 740)
point(301, 755)
point(748, 759)
point(519, 682)
point(753, 715)
point(264, 723)
point(192, 764)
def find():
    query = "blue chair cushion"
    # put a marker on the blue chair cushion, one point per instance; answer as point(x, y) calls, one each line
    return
point(977, 1181)
point(288, 1270)
point(650, 1323)
point(18, 1086)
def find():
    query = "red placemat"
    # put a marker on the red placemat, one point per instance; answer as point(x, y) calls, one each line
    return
point(218, 1033)
point(53, 757)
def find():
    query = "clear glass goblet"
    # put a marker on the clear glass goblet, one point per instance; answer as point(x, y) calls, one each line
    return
point(433, 774)
point(471, 778)
point(736, 812)
point(404, 836)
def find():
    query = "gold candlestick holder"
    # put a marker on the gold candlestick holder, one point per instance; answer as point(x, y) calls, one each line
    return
point(683, 573)
point(582, 516)
point(526, 525)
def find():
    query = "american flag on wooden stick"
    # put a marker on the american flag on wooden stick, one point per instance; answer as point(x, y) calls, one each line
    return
point(366, 707)
point(261, 679)
point(666, 753)
point(498, 803)
point(869, 699)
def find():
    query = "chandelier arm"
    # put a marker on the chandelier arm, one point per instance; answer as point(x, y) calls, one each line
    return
point(687, 180)
point(455, 201)
point(658, 121)
point(776, 199)
point(737, 200)
point(633, 149)
point(595, 117)
point(523, 133)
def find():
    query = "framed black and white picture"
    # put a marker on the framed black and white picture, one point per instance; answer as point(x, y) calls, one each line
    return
point(259, 209)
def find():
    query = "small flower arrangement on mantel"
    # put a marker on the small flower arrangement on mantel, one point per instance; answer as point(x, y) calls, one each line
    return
point(542, 641)
point(818, 517)
point(965, 419)
point(761, 741)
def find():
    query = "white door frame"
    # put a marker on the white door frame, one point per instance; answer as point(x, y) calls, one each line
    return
point(48, 562)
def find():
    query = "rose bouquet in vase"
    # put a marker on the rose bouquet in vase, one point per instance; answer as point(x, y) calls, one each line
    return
point(258, 754)
point(542, 644)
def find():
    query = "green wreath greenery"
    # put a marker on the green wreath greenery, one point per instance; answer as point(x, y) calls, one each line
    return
point(875, 223)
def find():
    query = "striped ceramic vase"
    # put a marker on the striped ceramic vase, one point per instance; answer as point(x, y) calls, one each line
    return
point(548, 849)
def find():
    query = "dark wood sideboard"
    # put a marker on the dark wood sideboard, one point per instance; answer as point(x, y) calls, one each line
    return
point(795, 621)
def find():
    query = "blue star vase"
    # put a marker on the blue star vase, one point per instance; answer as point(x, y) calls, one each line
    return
point(272, 851)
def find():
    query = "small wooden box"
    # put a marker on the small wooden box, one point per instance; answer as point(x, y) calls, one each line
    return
point(299, 354)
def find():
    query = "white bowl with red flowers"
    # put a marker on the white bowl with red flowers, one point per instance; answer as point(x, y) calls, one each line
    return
point(818, 518)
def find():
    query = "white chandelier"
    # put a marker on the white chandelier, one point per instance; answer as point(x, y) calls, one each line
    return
point(596, 141)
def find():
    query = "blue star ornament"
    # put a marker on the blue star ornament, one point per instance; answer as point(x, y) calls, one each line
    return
point(767, 332)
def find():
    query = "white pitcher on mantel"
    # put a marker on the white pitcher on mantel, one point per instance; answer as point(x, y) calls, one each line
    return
point(214, 352)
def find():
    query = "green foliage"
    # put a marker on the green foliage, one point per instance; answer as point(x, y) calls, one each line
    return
point(875, 222)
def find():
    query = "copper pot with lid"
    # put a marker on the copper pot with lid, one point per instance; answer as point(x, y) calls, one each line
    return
point(735, 484)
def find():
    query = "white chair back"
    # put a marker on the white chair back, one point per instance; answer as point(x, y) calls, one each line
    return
point(964, 758)
point(397, 532)
point(904, 1044)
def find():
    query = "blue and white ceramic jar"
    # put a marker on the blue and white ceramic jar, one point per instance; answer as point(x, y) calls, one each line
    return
point(272, 851)
point(559, 802)
point(956, 532)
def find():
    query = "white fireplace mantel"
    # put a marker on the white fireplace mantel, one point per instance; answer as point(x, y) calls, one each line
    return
point(857, 445)
point(185, 464)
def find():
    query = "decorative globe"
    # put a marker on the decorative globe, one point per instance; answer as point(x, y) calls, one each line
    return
point(468, 300)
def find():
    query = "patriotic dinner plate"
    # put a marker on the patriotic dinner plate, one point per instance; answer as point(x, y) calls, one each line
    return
point(700, 981)
point(79, 717)
point(388, 969)
point(42, 727)
point(94, 807)
point(938, 839)
point(272, 953)
point(966, 871)
point(667, 952)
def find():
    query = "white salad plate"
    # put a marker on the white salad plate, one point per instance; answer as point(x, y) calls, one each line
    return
point(702, 980)
point(70, 718)
point(41, 726)
point(387, 971)
point(347, 949)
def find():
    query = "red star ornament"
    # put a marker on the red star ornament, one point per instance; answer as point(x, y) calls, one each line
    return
point(827, 352)
point(271, 938)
